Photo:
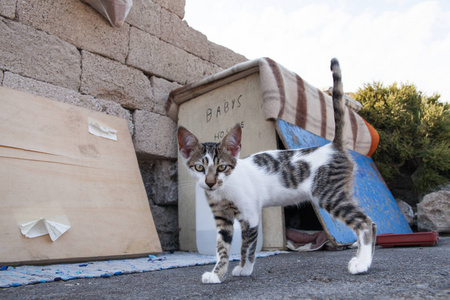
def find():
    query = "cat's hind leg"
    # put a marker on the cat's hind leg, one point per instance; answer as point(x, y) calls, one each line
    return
point(366, 248)
point(248, 249)
point(332, 191)
point(365, 230)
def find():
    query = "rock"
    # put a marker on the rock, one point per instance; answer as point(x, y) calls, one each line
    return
point(154, 136)
point(154, 56)
point(32, 53)
point(224, 57)
point(8, 8)
point(77, 23)
point(433, 212)
point(177, 7)
point(108, 79)
point(198, 69)
point(68, 96)
point(180, 34)
point(160, 181)
point(407, 211)
point(161, 90)
point(146, 15)
point(166, 223)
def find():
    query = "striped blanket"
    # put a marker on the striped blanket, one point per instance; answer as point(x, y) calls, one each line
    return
point(286, 96)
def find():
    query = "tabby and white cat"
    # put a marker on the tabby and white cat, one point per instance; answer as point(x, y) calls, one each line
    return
point(240, 188)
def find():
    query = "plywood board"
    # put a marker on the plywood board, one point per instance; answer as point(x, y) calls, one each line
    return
point(210, 116)
point(52, 167)
point(369, 190)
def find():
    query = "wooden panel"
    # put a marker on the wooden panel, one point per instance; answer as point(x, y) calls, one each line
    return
point(210, 116)
point(52, 167)
point(370, 190)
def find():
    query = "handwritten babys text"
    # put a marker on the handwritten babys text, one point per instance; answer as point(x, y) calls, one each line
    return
point(226, 107)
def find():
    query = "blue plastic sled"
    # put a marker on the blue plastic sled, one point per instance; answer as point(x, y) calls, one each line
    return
point(370, 190)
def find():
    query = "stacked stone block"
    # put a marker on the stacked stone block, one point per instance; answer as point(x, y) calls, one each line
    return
point(66, 51)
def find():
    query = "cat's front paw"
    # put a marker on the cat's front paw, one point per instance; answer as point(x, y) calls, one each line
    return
point(358, 266)
point(242, 271)
point(210, 277)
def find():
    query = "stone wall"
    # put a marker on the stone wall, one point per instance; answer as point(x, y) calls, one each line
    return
point(66, 51)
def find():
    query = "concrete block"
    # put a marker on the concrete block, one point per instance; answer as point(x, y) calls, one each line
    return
point(107, 79)
point(175, 6)
point(166, 223)
point(8, 8)
point(61, 94)
point(198, 69)
point(36, 54)
point(161, 90)
point(145, 15)
point(1, 77)
point(155, 57)
point(160, 181)
point(224, 57)
point(77, 23)
point(179, 33)
point(154, 136)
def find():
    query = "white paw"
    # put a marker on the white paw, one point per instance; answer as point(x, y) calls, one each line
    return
point(210, 277)
point(357, 266)
point(245, 271)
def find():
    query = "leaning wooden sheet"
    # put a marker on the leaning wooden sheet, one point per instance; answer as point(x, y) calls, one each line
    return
point(369, 189)
point(73, 173)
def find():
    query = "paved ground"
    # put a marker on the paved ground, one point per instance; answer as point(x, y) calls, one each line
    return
point(397, 273)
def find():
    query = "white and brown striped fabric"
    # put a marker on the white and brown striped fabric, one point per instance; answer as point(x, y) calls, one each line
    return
point(286, 96)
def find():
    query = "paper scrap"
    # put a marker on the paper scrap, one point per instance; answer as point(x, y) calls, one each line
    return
point(98, 128)
point(43, 226)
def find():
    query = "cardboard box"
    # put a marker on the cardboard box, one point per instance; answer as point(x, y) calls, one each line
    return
point(210, 116)
point(257, 94)
point(53, 167)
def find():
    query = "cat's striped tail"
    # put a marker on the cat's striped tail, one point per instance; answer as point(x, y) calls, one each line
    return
point(338, 104)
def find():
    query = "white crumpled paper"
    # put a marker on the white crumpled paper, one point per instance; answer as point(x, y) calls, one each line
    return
point(43, 226)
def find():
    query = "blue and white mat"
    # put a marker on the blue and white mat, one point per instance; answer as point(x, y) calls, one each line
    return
point(27, 274)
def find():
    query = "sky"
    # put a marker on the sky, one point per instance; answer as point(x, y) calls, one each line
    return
point(403, 41)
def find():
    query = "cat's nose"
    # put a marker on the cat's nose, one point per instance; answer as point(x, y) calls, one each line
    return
point(210, 184)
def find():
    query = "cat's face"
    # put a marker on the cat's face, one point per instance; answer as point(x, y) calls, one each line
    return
point(210, 164)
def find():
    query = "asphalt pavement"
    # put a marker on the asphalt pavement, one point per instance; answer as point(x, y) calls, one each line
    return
point(396, 273)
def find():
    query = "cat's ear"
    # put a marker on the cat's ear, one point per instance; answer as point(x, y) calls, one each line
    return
point(187, 142)
point(232, 141)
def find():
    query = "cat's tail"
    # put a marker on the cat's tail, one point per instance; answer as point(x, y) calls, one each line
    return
point(338, 104)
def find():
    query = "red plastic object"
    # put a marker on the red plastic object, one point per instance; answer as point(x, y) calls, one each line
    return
point(408, 239)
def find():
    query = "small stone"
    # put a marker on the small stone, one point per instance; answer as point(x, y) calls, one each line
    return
point(407, 211)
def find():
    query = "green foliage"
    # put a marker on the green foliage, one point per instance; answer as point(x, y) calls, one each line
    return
point(414, 133)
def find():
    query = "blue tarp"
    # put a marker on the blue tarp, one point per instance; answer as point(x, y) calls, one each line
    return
point(370, 190)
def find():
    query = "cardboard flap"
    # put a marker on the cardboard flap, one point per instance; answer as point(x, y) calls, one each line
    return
point(53, 168)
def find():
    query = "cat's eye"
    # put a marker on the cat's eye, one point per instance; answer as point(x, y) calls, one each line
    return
point(221, 168)
point(199, 168)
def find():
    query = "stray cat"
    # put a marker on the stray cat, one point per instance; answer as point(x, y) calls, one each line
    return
point(240, 188)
